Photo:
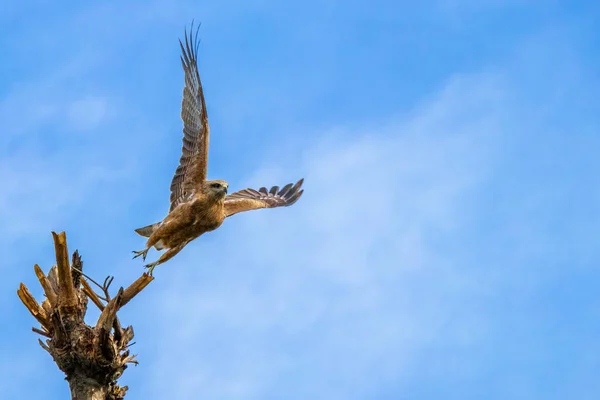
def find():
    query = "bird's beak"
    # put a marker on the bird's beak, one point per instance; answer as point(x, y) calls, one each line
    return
point(225, 189)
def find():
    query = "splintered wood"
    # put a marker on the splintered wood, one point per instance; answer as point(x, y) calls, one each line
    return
point(93, 358)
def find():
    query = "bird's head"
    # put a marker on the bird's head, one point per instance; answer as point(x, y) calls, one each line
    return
point(216, 188)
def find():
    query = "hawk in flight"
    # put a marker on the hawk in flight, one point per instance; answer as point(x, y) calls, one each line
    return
point(199, 205)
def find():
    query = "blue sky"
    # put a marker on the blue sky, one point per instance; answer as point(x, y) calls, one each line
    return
point(447, 242)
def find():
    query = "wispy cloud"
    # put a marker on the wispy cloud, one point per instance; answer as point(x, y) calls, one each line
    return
point(411, 257)
point(353, 281)
point(445, 244)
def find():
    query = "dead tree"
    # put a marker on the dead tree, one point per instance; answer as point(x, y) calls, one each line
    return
point(92, 357)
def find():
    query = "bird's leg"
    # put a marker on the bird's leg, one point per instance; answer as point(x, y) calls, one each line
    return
point(152, 240)
point(142, 253)
point(151, 267)
point(164, 257)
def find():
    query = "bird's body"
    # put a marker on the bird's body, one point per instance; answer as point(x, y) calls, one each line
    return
point(203, 212)
point(199, 205)
point(188, 221)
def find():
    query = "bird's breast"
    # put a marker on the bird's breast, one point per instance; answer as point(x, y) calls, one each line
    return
point(210, 217)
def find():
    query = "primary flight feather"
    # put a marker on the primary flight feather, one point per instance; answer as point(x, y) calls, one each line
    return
point(199, 205)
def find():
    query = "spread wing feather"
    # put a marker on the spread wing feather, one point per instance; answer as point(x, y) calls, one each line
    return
point(250, 199)
point(192, 168)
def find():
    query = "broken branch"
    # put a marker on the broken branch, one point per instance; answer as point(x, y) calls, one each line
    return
point(91, 294)
point(109, 313)
point(33, 306)
point(41, 332)
point(48, 291)
point(66, 294)
point(136, 287)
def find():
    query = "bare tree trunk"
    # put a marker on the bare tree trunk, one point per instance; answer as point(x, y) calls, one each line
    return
point(92, 357)
point(84, 389)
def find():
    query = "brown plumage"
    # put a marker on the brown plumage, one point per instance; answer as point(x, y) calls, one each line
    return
point(199, 205)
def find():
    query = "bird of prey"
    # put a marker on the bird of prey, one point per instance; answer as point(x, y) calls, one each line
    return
point(199, 205)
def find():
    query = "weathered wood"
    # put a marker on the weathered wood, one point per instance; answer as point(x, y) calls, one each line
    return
point(48, 291)
point(53, 279)
point(91, 294)
point(136, 287)
point(92, 357)
point(44, 346)
point(32, 305)
point(86, 390)
point(109, 313)
point(41, 332)
point(76, 268)
point(66, 294)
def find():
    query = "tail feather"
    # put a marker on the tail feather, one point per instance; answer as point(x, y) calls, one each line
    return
point(146, 231)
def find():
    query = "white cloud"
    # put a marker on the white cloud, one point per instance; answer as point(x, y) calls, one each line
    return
point(37, 187)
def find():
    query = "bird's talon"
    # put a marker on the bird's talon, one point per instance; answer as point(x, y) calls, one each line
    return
point(142, 253)
point(150, 268)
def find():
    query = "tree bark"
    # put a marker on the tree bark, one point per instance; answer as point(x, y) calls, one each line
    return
point(83, 388)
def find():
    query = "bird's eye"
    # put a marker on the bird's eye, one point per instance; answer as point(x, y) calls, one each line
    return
point(216, 185)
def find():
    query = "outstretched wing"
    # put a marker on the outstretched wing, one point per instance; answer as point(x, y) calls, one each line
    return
point(193, 163)
point(250, 199)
